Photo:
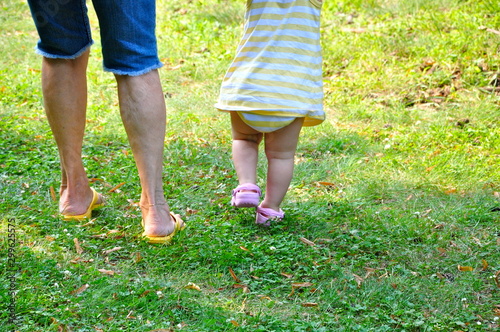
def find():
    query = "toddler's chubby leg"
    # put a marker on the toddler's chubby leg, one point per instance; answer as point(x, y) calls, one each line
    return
point(246, 142)
point(280, 147)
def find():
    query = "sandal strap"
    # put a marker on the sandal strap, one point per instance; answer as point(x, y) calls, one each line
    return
point(247, 187)
point(270, 213)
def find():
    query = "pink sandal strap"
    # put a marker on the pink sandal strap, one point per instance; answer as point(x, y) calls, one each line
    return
point(246, 195)
point(247, 187)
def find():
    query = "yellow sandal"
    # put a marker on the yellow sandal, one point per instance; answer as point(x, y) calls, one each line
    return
point(93, 205)
point(179, 225)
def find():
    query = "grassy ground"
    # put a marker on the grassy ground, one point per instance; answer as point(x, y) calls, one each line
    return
point(392, 217)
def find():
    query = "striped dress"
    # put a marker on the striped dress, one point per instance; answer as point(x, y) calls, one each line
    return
point(276, 75)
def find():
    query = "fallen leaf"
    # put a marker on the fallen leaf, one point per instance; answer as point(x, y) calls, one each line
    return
point(497, 32)
point(497, 278)
point(235, 323)
point(137, 257)
point(442, 251)
point(53, 194)
point(465, 268)
point(174, 67)
point(306, 241)
point(263, 297)
point(116, 234)
point(326, 184)
point(299, 285)
point(132, 202)
point(107, 252)
point(79, 249)
point(485, 265)
point(430, 168)
point(234, 275)
point(243, 287)
point(449, 277)
point(287, 275)
point(190, 285)
point(354, 30)
point(358, 279)
point(309, 304)
point(90, 223)
point(80, 290)
point(108, 272)
point(99, 236)
point(369, 272)
point(116, 187)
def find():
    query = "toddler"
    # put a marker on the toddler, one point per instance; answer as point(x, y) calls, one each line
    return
point(273, 87)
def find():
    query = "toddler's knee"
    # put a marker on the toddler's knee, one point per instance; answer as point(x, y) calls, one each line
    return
point(273, 154)
point(254, 138)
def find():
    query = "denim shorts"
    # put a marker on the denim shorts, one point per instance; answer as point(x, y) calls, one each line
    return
point(127, 29)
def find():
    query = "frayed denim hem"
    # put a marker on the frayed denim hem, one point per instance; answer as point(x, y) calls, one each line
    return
point(58, 56)
point(134, 73)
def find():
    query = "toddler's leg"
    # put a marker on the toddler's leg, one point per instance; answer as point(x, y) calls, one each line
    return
point(246, 142)
point(280, 149)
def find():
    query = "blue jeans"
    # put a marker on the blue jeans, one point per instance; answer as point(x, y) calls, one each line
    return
point(127, 29)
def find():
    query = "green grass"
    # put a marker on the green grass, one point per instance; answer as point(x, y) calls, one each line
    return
point(397, 189)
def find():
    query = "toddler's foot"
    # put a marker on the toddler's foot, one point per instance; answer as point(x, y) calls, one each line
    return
point(246, 195)
point(265, 216)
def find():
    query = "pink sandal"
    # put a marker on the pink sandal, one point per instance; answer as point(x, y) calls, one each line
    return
point(265, 216)
point(246, 195)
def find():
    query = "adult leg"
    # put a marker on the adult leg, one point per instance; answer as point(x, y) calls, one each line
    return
point(143, 112)
point(64, 88)
point(280, 147)
point(246, 142)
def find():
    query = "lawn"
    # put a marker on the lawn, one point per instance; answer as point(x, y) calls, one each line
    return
point(393, 215)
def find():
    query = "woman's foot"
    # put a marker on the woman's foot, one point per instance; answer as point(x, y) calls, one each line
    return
point(72, 208)
point(156, 219)
point(160, 225)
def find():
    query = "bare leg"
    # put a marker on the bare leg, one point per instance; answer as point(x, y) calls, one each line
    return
point(280, 147)
point(246, 142)
point(142, 108)
point(64, 87)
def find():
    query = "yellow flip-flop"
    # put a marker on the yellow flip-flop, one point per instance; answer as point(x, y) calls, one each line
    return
point(93, 205)
point(179, 225)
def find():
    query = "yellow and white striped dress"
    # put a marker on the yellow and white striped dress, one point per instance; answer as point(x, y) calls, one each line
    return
point(276, 75)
